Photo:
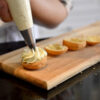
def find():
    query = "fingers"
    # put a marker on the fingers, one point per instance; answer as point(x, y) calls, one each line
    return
point(4, 11)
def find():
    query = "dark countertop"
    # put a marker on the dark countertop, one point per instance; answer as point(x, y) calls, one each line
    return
point(84, 86)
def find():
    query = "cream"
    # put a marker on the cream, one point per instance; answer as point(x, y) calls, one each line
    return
point(93, 38)
point(31, 56)
point(56, 47)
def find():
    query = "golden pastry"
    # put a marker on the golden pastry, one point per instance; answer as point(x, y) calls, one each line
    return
point(93, 40)
point(34, 59)
point(74, 43)
point(56, 49)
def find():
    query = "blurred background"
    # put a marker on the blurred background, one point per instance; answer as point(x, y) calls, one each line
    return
point(84, 12)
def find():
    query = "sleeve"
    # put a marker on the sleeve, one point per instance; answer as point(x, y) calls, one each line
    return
point(67, 3)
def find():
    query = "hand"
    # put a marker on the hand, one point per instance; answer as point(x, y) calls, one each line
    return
point(4, 11)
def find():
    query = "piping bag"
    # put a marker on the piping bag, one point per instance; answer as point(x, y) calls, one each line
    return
point(22, 16)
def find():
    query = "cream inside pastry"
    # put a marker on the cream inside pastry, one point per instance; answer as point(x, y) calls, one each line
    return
point(75, 40)
point(55, 47)
point(93, 38)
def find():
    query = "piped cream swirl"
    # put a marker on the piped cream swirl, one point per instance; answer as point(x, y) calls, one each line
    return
point(31, 56)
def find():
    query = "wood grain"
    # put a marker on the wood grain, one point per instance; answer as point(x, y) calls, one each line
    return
point(58, 68)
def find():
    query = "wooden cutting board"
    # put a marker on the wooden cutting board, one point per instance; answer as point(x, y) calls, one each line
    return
point(58, 68)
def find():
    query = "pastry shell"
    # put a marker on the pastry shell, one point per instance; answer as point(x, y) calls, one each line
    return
point(36, 65)
point(56, 49)
point(93, 40)
point(74, 43)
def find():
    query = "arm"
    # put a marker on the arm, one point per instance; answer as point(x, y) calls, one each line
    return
point(49, 12)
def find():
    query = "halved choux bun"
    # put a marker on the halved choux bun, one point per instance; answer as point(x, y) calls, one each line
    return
point(93, 40)
point(36, 65)
point(56, 49)
point(74, 43)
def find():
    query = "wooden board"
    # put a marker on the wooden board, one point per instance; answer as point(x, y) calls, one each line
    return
point(58, 68)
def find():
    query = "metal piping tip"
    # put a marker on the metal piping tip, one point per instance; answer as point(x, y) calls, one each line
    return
point(29, 38)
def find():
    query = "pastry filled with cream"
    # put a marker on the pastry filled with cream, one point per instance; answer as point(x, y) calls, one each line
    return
point(74, 43)
point(34, 59)
point(56, 49)
point(93, 40)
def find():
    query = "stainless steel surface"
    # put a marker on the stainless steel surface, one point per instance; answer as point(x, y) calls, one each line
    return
point(29, 38)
